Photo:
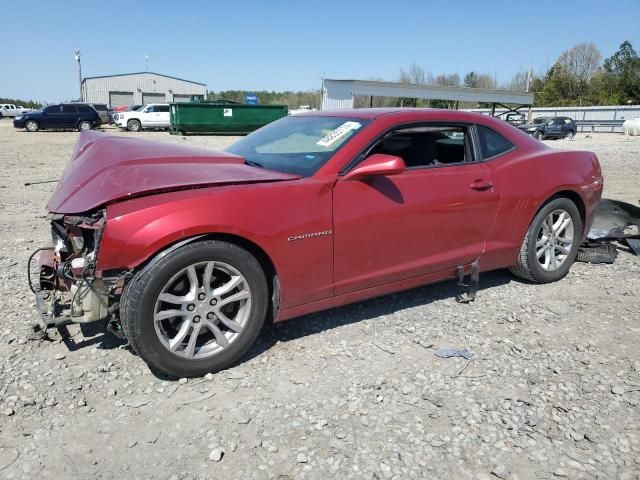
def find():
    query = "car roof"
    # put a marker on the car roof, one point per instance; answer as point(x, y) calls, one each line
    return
point(405, 114)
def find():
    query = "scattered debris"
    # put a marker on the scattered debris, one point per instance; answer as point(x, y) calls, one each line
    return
point(615, 221)
point(453, 352)
point(597, 253)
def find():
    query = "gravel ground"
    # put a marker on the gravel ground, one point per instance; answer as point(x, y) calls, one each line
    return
point(356, 392)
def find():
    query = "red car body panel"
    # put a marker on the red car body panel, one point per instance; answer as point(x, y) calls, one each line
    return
point(332, 241)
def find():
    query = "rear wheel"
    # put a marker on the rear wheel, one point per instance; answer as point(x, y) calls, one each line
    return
point(31, 126)
point(134, 125)
point(197, 310)
point(84, 125)
point(551, 244)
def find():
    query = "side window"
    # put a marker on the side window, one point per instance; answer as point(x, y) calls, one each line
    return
point(150, 109)
point(84, 108)
point(427, 146)
point(492, 143)
point(69, 109)
point(52, 109)
point(567, 121)
point(162, 108)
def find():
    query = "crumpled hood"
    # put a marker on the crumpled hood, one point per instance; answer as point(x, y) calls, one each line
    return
point(106, 168)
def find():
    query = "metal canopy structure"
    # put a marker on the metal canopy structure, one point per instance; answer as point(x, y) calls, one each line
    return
point(339, 94)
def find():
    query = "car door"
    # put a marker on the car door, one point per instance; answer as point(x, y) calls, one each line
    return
point(153, 116)
point(147, 116)
point(163, 116)
point(52, 117)
point(434, 216)
point(554, 127)
point(69, 116)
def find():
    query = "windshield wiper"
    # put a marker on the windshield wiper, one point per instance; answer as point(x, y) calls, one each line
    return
point(253, 164)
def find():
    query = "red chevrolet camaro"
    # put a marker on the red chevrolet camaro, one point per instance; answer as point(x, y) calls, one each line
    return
point(187, 252)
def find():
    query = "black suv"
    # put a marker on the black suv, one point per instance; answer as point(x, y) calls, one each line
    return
point(550, 127)
point(66, 115)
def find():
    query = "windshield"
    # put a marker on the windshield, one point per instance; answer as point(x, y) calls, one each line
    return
point(297, 145)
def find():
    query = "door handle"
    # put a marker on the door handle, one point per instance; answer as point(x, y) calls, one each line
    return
point(481, 185)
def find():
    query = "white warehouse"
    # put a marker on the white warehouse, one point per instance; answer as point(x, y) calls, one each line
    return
point(139, 88)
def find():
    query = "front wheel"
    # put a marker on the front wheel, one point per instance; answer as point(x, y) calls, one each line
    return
point(197, 310)
point(31, 126)
point(538, 135)
point(134, 125)
point(570, 135)
point(551, 244)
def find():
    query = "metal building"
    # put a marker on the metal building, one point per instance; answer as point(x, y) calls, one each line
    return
point(338, 94)
point(139, 88)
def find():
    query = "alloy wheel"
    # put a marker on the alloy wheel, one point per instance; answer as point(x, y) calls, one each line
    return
point(554, 240)
point(202, 310)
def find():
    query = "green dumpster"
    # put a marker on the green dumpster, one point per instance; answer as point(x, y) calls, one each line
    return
point(222, 117)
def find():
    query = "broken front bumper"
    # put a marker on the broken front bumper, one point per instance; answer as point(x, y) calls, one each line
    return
point(62, 299)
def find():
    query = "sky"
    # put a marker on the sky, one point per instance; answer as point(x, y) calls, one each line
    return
point(292, 45)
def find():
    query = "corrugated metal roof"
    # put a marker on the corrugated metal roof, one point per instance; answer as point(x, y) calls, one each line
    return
point(340, 93)
point(142, 73)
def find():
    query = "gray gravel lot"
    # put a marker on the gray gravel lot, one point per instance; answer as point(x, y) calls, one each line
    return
point(355, 392)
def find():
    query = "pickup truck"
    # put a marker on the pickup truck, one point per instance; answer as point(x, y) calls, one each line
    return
point(10, 110)
point(155, 115)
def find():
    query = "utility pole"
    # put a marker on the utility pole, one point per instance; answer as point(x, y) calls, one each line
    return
point(77, 54)
point(530, 112)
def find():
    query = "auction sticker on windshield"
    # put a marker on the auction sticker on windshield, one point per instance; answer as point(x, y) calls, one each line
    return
point(338, 133)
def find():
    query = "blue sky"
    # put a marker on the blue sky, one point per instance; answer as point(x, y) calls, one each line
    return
point(277, 45)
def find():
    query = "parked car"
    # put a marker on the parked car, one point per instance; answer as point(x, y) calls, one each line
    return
point(102, 110)
point(551, 127)
point(113, 112)
point(154, 115)
point(187, 252)
point(10, 110)
point(62, 116)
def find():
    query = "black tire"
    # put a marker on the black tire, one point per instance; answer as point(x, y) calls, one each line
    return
point(538, 135)
point(84, 125)
point(140, 294)
point(31, 126)
point(134, 125)
point(527, 266)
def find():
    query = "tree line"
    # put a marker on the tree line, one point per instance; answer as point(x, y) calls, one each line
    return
point(579, 77)
point(290, 98)
point(21, 103)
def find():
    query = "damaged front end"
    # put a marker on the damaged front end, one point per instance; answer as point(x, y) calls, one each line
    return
point(68, 288)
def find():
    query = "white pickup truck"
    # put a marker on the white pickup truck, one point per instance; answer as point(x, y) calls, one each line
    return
point(10, 110)
point(155, 115)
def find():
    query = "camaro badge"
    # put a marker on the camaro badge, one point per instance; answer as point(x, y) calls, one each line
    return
point(304, 236)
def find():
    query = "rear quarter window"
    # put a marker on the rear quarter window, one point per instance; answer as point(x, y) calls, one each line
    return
point(492, 143)
point(84, 108)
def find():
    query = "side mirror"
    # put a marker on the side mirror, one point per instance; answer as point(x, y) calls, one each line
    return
point(377, 164)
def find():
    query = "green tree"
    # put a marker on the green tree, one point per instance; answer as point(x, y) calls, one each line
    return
point(21, 103)
point(624, 67)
